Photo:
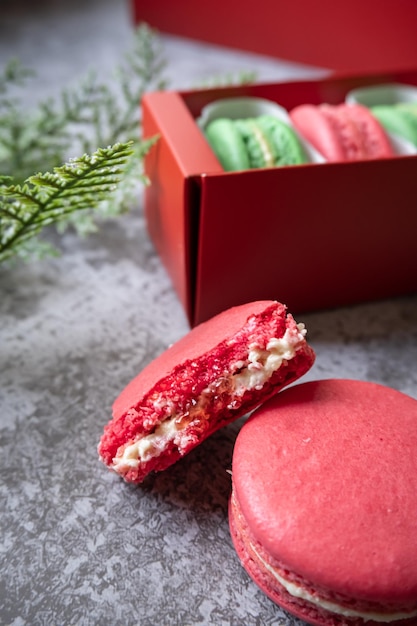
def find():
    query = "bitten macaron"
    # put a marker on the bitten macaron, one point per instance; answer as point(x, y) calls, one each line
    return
point(219, 371)
point(323, 511)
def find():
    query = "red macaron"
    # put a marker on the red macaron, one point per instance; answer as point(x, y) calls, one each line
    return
point(344, 132)
point(219, 371)
point(323, 511)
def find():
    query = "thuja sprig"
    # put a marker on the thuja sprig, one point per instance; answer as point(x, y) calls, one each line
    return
point(43, 199)
point(92, 114)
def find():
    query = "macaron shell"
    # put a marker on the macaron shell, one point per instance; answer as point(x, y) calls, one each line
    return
point(411, 107)
point(326, 477)
point(371, 138)
point(398, 119)
point(288, 149)
point(200, 340)
point(314, 126)
point(258, 145)
point(227, 144)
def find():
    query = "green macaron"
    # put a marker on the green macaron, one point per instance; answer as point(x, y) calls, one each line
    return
point(400, 119)
point(227, 144)
point(263, 141)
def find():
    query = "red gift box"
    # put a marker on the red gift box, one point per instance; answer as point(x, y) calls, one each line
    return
point(375, 35)
point(313, 236)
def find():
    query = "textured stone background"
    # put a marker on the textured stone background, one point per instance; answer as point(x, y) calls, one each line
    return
point(79, 547)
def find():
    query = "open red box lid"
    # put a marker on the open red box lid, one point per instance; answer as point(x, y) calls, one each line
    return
point(342, 35)
point(312, 236)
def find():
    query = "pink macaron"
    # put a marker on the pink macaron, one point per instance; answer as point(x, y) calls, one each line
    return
point(323, 511)
point(344, 132)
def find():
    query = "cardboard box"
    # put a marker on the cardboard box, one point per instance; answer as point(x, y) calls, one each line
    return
point(312, 236)
point(375, 35)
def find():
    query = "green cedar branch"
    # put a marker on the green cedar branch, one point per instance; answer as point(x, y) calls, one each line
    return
point(93, 113)
point(43, 199)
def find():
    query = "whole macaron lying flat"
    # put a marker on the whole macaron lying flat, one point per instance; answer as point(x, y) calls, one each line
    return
point(344, 132)
point(323, 512)
point(220, 370)
point(263, 141)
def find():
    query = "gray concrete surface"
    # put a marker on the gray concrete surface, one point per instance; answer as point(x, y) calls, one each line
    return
point(78, 547)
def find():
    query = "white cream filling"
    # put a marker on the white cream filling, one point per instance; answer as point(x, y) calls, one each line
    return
point(264, 146)
point(298, 592)
point(259, 367)
point(147, 447)
point(263, 363)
